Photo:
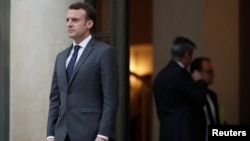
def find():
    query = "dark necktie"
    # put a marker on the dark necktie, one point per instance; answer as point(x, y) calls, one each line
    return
point(72, 62)
point(209, 112)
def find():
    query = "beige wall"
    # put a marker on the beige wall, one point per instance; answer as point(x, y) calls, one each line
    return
point(170, 19)
point(214, 26)
point(220, 42)
point(38, 33)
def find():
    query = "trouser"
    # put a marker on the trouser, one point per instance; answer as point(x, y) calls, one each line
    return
point(67, 138)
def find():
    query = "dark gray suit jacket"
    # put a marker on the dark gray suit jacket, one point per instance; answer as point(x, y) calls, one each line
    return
point(179, 102)
point(87, 104)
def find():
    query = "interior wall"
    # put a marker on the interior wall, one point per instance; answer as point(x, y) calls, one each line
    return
point(220, 42)
point(214, 27)
point(140, 21)
point(173, 18)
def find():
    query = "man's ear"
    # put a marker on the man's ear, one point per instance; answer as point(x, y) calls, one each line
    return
point(186, 55)
point(90, 24)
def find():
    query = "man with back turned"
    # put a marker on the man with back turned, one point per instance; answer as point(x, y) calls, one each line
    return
point(180, 97)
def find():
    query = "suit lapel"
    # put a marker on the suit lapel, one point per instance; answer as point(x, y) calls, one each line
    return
point(62, 64)
point(83, 57)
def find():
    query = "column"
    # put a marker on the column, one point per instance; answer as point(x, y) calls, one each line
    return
point(37, 34)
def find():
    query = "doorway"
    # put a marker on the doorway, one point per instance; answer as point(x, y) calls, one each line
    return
point(141, 69)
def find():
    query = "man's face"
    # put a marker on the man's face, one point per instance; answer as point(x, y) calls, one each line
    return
point(207, 72)
point(78, 27)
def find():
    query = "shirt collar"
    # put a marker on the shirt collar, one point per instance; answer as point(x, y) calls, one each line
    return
point(84, 42)
point(180, 64)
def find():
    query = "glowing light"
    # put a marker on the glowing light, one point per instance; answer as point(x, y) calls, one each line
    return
point(141, 59)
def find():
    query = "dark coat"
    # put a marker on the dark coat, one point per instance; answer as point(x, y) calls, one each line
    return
point(179, 102)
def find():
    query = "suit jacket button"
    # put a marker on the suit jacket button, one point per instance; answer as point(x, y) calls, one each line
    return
point(69, 108)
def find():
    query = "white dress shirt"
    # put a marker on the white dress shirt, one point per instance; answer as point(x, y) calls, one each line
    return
point(180, 64)
point(83, 44)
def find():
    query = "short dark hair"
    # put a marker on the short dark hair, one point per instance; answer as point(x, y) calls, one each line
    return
point(180, 46)
point(197, 64)
point(91, 12)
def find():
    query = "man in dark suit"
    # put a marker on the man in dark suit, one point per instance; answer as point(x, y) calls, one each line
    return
point(211, 109)
point(84, 89)
point(180, 100)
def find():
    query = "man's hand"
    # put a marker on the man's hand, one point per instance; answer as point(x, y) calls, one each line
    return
point(100, 139)
point(196, 75)
point(51, 139)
